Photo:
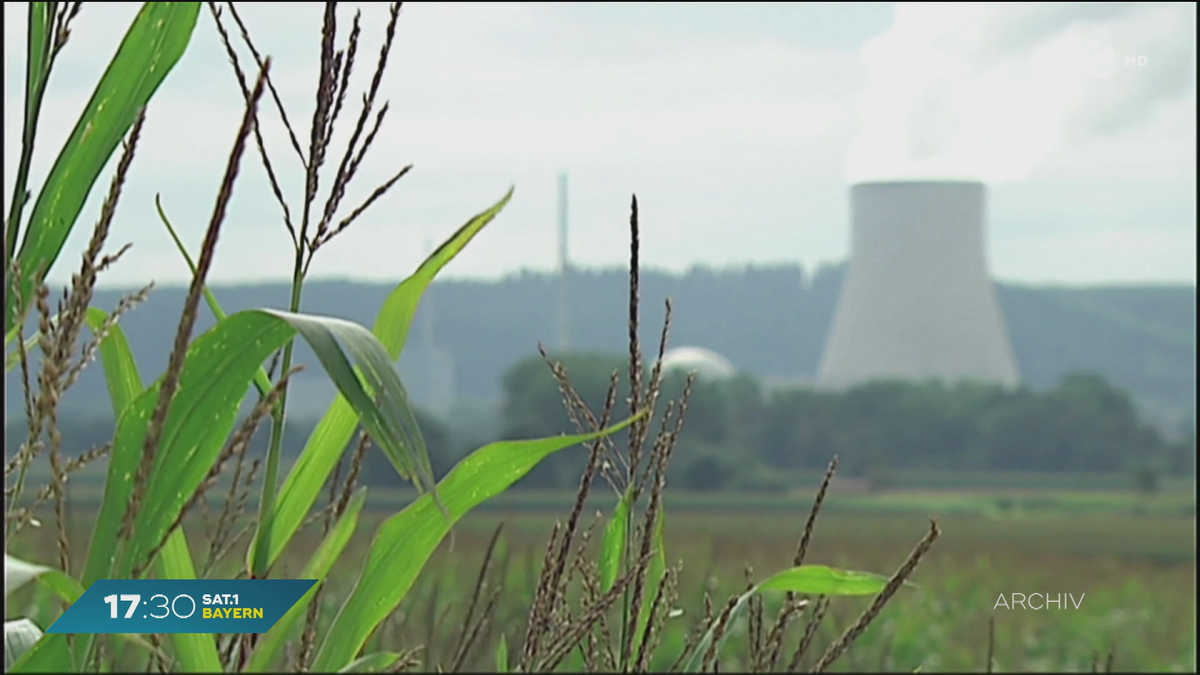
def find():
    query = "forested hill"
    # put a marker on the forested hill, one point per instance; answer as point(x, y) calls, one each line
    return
point(769, 321)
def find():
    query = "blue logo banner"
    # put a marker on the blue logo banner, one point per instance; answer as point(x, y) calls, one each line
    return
point(182, 606)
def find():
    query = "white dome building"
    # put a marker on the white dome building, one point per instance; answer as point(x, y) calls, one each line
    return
point(706, 363)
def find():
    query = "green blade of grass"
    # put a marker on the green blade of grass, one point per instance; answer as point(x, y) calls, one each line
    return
point(333, 433)
point(120, 369)
point(31, 344)
point(154, 44)
point(40, 30)
point(114, 352)
point(271, 644)
point(51, 654)
point(654, 575)
point(37, 71)
point(405, 541)
point(261, 380)
point(124, 385)
point(372, 663)
point(807, 579)
point(612, 552)
point(502, 655)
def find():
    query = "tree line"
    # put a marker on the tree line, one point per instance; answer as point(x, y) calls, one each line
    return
point(740, 436)
point(737, 435)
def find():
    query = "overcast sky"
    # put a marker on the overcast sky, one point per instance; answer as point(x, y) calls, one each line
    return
point(738, 126)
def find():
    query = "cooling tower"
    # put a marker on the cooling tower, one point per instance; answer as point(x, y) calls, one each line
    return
point(916, 301)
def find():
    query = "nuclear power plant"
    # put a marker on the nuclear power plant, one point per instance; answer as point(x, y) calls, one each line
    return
point(917, 301)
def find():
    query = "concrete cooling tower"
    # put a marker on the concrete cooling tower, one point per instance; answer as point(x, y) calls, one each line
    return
point(916, 301)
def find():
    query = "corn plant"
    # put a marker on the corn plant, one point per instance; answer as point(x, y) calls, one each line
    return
point(174, 437)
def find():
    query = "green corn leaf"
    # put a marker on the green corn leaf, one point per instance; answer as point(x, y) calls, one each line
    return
point(40, 31)
point(405, 541)
point(120, 368)
point(807, 579)
point(271, 645)
point(654, 574)
point(20, 636)
point(31, 344)
point(154, 44)
point(51, 654)
point(124, 385)
point(334, 432)
point(38, 53)
point(502, 655)
point(216, 375)
point(612, 553)
point(119, 365)
point(197, 652)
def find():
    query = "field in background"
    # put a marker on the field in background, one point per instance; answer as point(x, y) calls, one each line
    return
point(1131, 559)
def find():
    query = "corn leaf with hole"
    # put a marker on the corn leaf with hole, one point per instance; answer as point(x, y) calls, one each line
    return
point(334, 432)
point(405, 542)
point(154, 43)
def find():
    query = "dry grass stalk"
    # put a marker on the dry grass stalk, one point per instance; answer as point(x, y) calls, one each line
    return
point(660, 608)
point(810, 632)
point(550, 627)
point(571, 633)
point(990, 663)
point(585, 420)
point(719, 627)
point(187, 319)
point(910, 564)
point(793, 604)
point(539, 619)
point(23, 516)
point(470, 632)
point(126, 304)
point(258, 139)
point(698, 631)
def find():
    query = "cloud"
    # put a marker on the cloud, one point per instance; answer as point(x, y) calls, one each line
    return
point(990, 91)
point(734, 140)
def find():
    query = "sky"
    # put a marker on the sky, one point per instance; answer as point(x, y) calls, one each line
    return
point(738, 126)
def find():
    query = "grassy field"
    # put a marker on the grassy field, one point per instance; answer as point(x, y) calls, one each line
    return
point(1132, 571)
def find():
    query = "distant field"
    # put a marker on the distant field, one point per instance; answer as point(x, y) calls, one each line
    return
point(1131, 560)
point(995, 495)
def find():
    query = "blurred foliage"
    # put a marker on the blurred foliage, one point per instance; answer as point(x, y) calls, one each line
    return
point(737, 434)
point(742, 437)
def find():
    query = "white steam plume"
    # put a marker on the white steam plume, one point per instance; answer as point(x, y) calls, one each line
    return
point(987, 91)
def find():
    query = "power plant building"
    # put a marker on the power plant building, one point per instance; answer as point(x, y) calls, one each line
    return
point(917, 301)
